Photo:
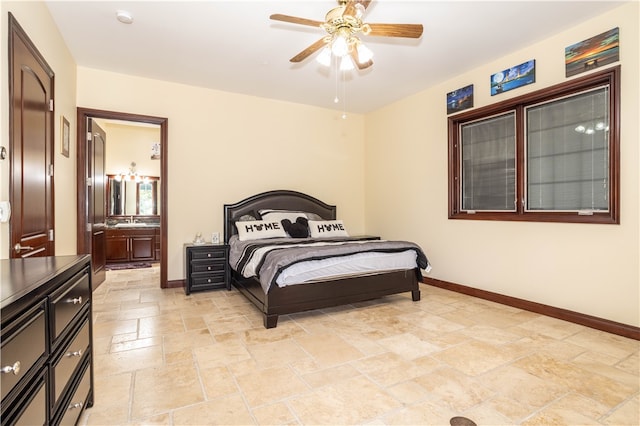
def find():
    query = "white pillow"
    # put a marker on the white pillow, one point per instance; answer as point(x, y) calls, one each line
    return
point(257, 229)
point(327, 228)
point(279, 215)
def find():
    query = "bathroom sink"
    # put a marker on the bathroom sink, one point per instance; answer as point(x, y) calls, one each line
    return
point(130, 225)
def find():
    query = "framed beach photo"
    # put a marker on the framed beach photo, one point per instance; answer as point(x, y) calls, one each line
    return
point(513, 77)
point(592, 53)
point(460, 99)
point(65, 134)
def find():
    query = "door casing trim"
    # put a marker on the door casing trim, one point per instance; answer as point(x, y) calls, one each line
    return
point(81, 131)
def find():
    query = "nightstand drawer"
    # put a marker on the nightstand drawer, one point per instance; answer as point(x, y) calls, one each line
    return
point(208, 253)
point(207, 266)
point(208, 279)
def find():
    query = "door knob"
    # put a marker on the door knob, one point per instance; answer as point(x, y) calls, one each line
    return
point(18, 248)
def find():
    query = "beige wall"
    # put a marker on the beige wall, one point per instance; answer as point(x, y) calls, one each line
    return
point(130, 143)
point(224, 147)
point(35, 19)
point(592, 269)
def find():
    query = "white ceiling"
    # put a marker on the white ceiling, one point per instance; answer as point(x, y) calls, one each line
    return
point(233, 45)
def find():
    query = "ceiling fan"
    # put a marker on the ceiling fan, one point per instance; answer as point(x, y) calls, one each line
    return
point(343, 24)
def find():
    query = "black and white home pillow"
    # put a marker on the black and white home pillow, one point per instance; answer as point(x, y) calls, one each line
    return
point(257, 229)
point(327, 228)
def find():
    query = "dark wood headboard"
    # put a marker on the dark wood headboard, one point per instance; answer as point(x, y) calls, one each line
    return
point(280, 200)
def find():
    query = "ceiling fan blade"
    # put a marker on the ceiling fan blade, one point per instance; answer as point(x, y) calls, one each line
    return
point(295, 20)
point(360, 65)
point(350, 8)
point(309, 50)
point(396, 30)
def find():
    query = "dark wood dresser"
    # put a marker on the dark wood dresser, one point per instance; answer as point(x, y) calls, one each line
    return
point(46, 339)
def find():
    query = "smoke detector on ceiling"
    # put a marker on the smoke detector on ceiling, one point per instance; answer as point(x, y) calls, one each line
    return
point(124, 16)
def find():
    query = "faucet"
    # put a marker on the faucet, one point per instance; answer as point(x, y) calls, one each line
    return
point(131, 219)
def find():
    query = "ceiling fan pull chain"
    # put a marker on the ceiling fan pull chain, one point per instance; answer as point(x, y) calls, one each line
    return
point(336, 99)
point(344, 95)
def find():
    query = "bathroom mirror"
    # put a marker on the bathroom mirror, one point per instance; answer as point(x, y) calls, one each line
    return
point(129, 197)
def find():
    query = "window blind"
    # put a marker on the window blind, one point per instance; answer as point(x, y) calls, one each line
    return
point(488, 166)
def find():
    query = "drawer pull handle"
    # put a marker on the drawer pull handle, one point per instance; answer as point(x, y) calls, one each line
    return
point(208, 254)
point(77, 300)
point(76, 405)
point(209, 280)
point(75, 353)
point(15, 368)
point(208, 268)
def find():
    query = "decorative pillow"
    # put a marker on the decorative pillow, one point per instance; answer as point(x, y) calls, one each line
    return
point(257, 229)
point(299, 229)
point(279, 215)
point(327, 228)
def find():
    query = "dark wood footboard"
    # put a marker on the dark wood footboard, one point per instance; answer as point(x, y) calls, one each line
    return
point(325, 294)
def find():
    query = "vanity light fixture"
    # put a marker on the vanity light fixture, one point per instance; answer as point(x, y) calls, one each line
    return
point(132, 174)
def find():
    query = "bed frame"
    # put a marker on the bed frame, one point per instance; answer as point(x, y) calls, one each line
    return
point(303, 297)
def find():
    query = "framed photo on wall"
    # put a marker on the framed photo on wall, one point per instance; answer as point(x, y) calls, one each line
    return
point(460, 99)
point(513, 77)
point(592, 53)
point(64, 137)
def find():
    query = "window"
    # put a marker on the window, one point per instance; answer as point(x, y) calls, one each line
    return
point(551, 155)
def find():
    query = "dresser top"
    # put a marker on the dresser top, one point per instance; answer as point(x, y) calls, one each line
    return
point(19, 277)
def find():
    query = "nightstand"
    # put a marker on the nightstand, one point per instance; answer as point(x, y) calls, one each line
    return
point(206, 267)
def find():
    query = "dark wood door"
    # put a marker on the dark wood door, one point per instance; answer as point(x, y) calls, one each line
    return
point(31, 147)
point(97, 198)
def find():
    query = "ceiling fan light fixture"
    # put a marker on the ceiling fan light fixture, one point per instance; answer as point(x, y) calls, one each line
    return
point(346, 64)
point(324, 58)
point(364, 53)
point(339, 45)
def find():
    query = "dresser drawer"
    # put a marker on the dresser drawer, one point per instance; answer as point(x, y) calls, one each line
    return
point(207, 265)
point(75, 405)
point(69, 360)
point(67, 302)
point(208, 253)
point(31, 409)
point(24, 342)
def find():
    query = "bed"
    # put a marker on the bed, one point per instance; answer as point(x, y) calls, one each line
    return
point(319, 293)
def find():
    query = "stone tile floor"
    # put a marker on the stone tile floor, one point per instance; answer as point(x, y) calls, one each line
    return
point(162, 357)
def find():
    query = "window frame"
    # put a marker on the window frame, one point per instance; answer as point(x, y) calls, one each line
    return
point(609, 77)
